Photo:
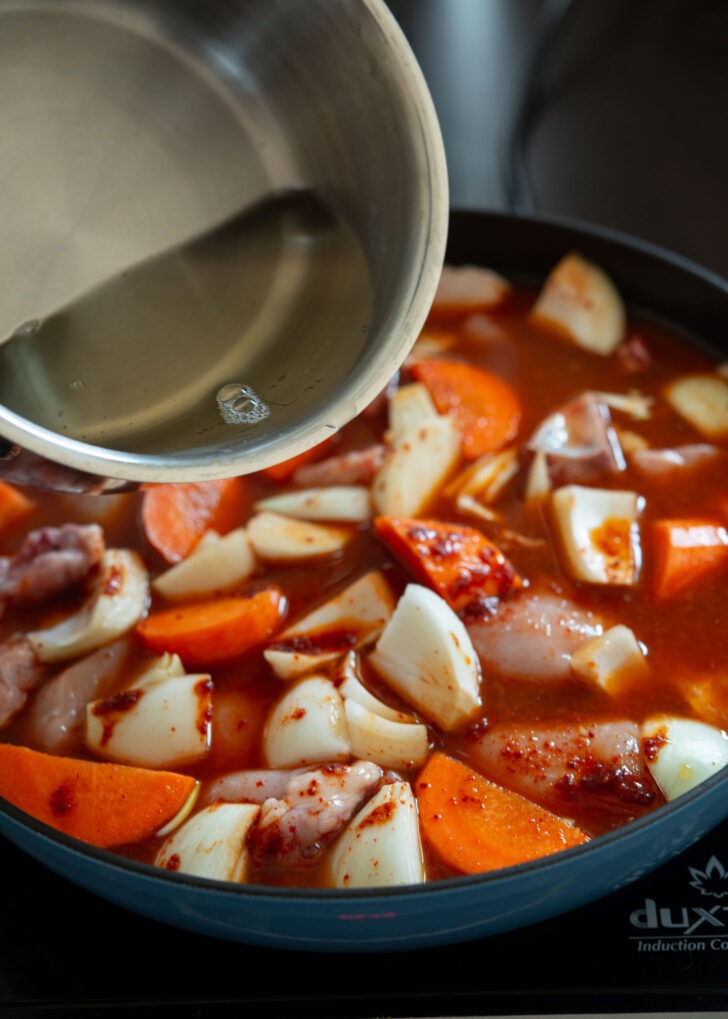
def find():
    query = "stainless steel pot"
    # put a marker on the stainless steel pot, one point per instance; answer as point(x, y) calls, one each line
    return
point(198, 196)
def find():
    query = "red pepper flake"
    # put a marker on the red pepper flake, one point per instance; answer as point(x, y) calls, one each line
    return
point(174, 862)
point(613, 538)
point(203, 692)
point(111, 708)
point(652, 745)
point(380, 815)
point(62, 800)
point(318, 643)
point(117, 703)
point(114, 582)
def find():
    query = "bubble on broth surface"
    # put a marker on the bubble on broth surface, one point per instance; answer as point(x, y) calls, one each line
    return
point(241, 405)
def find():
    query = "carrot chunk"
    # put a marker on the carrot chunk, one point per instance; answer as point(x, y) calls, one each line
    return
point(14, 506)
point(205, 633)
point(475, 825)
point(100, 803)
point(175, 517)
point(687, 552)
point(458, 562)
point(487, 411)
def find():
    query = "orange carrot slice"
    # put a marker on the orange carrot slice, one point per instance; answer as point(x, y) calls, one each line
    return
point(205, 633)
point(458, 562)
point(475, 825)
point(103, 804)
point(286, 468)
point(175, 517)
point(487, 411)
point(687, 552)
point(14, 506)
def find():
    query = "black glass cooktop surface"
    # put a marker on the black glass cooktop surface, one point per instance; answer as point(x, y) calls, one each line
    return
point(658, 946)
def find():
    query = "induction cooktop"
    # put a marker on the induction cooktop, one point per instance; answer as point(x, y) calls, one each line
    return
point(657, 947)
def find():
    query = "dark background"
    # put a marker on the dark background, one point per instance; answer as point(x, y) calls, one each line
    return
point(624, 123)
point(611, 112)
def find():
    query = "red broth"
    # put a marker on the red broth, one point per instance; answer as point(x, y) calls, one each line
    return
point(549, 725)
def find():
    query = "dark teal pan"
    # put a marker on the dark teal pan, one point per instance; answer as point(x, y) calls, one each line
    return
point(473, 907)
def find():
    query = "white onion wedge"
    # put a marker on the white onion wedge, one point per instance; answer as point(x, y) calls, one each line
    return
point(612, 659)
point(278, 538)
point(599, 533)
point(631, 443)
point(426, 655)
point(307, 726)
point(118, 600)
point(212, 843)
point(410, 406)
point(581, 302)
point(351, 688)
point(703, 401)
point(538, 482)
point(359, 611)
point(464, 288)
point(216, 564)
point(343, 503)
point(390, 744)
point(416, 467)
point(482, 482)
point(381, 845)
point(636, 404)
point(162, 721)
point(487, 476)
point(682, 752)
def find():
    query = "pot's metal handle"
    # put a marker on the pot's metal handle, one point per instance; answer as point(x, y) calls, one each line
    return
point(22, 467)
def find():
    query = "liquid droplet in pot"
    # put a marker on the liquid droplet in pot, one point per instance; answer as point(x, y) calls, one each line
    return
point(241, 405)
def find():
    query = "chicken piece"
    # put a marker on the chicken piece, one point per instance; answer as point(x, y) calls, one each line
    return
point(314, 808)
point(579, 442)
point(251, 786)
point(668, 464)
point(49, 561)
point(571, 764)
point(59, 711)
point(20, 672)
point(355, 468)
point(532, 636)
